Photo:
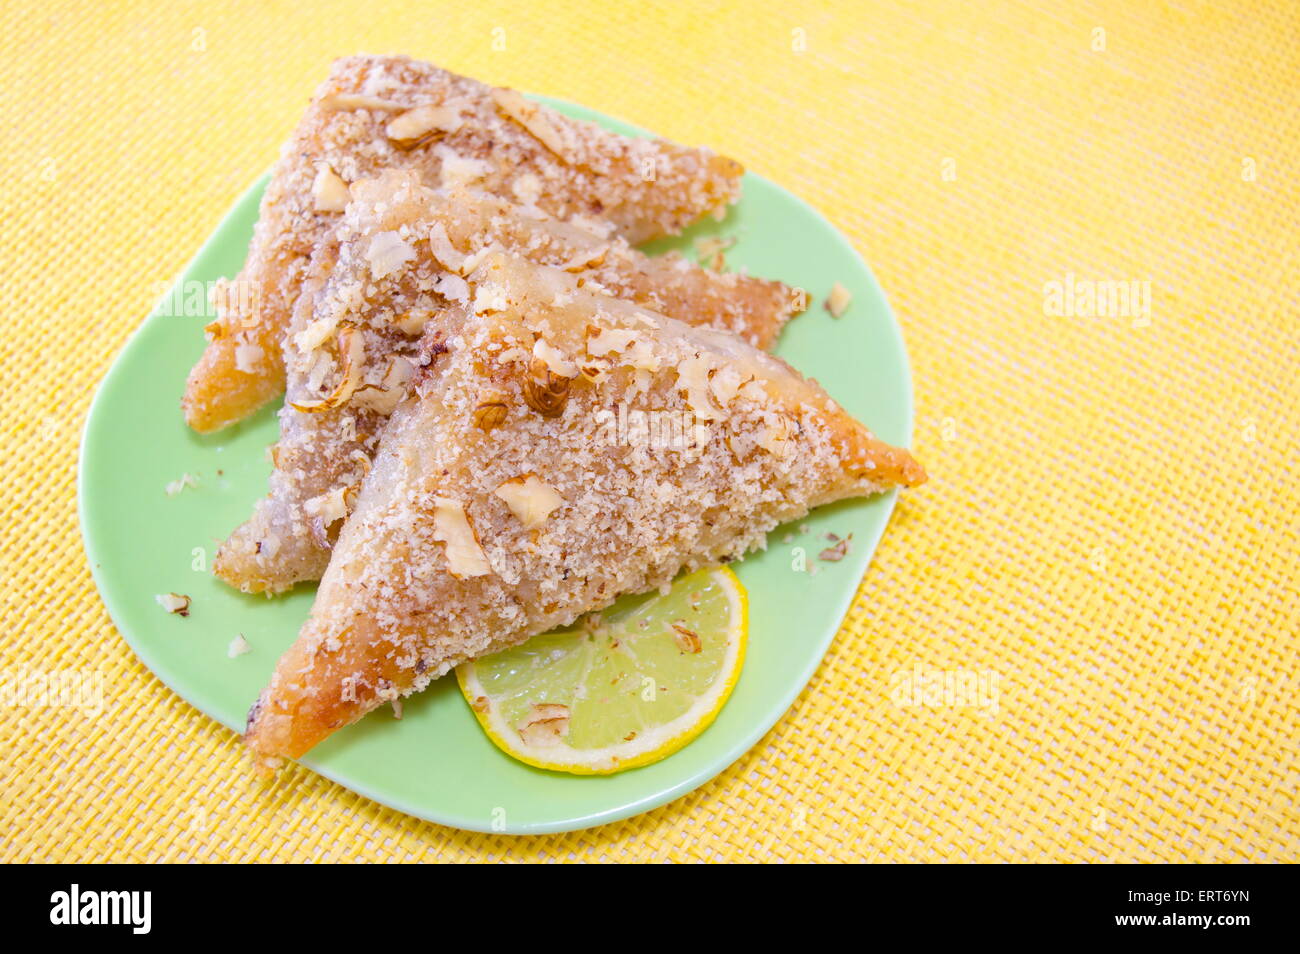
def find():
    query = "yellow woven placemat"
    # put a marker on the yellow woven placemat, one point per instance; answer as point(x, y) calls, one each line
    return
point(1108, 546)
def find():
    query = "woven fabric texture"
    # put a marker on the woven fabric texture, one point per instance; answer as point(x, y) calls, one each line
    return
point(1109, 540)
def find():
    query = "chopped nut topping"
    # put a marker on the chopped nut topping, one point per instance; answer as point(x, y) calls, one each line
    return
point(247, 357)
point(352, 356)
point(529, 115)
point(238, 647)
point(490, 411)
point(316, 333)
point(555, 360)
point(185, 480)
point(481, 704)
point(453, 288)
point(340, 101)
point(442, 249)
point(725, 383)
point(584, 259)
point(488, 299)
point(776, 437)
point(546, 724)
point(545, 391)
point(712, 251)
point(687, 640)
point(530, 499)
point(412, 323)
point(388, 252)
point(836, 553)
point(609, 339)
point(838, 300)
point(380, 400)
point(329, 507)
point(420, 125)
point(693, 378)
point(329, 192)
point(390, 392)
point(177, 603)
point(451, 525)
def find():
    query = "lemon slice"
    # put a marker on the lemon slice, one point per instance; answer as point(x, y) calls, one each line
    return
point(622, 688)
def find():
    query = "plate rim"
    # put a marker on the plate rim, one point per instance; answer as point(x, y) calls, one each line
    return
point(774, 711)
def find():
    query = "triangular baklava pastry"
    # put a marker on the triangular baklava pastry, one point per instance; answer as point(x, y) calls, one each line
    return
point(397, 259)
point(560, 449)
point(377, 112)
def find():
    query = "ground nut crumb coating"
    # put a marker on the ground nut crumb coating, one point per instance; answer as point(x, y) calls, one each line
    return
point(435, 567)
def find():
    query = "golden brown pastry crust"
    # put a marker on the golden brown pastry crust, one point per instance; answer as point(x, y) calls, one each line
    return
point(327, 452)
point(435, 566)
point(492, 138)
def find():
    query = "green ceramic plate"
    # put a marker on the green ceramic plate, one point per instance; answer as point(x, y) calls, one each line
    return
point(435, 762)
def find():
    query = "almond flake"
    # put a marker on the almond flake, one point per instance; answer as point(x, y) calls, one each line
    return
point(328, 191)
point(545, 725)
point(385, 397)
point(340, 101)
point(185, 480)
point(725, 383)
point(775, 438)
point(531, 500)
point(417, 126)
point(693, 378)
point(837, 552)
point(328, 506)
point(453, 288)
point(532, 117)
point(555, 360)
point(412, 323)
point(443, 251)
point(610, 339)
point(177, 603)
point(247, 358)
point(838, 300)
point(451, 525)
point(388, 252)
point(352, 357)
point(687, 640)
point(712, 251)
point(316, 334)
